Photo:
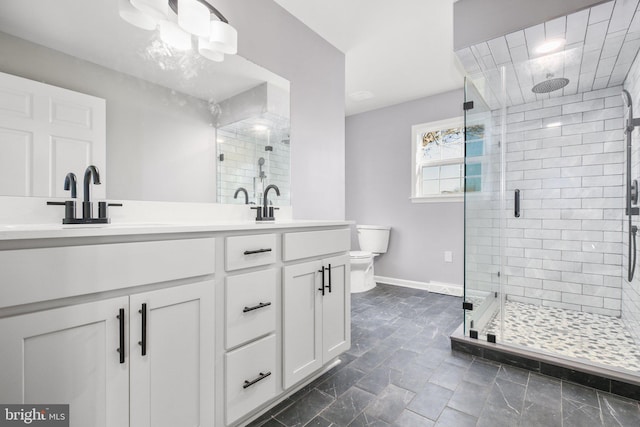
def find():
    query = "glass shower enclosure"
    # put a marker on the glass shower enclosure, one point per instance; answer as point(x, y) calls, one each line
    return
point(547, 235)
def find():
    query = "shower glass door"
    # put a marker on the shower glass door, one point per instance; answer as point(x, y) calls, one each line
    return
point(483, 201)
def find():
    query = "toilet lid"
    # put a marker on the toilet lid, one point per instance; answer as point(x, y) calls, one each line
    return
point(360, 254)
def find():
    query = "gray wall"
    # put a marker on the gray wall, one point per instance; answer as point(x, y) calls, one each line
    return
point(273, 39)
point(476, 21)
point(378, 183)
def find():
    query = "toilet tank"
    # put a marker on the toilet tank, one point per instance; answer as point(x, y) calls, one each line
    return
point(373, 238)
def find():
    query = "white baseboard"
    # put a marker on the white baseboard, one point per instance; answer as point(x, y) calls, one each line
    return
point(437, 287)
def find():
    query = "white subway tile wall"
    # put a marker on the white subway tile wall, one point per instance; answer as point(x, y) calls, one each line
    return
point(572, 174)
point(565, 250)
point(240, 168)
point(631, 290)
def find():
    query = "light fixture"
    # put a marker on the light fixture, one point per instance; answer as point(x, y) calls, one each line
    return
point(179, 20)
point(193, 17)
point(224, 37)
point(134, 17)
point(554, 124)
point(550, 45)
point(361, 95)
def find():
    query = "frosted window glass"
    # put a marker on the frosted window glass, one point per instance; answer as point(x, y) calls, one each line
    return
point(450, 171)
point(451, 185)
point(430, 172)
point(430, 187)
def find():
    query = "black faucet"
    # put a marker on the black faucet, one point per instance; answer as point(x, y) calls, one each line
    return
point(86, 204)
point(267, 211)
point(246, 195)
point(70, 183)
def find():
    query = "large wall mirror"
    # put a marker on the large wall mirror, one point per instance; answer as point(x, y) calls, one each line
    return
point(178, 127)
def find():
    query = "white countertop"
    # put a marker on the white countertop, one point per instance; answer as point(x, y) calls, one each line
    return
point(49, 231)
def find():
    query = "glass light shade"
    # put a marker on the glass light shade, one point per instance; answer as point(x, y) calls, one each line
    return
point(134, 17)
point(157, 9)
point(209, 51)
point(224, 37)
point(194, 17)
point(174, 36)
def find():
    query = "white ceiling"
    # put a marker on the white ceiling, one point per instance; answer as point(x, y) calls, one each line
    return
point(398, 51)
point(601, 44)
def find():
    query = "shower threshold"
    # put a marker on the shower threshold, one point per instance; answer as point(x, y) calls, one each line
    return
point(584, 372)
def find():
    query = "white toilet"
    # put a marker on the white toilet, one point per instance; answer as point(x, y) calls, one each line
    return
point(374, 240)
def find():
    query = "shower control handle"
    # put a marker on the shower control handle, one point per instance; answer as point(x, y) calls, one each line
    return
point(516, 212)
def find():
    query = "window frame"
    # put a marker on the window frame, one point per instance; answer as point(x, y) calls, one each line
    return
point(416, 168)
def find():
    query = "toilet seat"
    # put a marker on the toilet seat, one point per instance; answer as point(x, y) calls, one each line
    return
point(359, 254)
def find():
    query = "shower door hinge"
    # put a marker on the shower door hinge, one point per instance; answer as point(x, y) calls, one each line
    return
point(467, 305)
point(467, 105)
point(491, 338)
point(473, 334)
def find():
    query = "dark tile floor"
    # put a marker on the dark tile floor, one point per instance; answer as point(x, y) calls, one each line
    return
point(401, 371)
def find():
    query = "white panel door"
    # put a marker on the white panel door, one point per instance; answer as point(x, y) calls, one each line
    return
point(46, 132)
point(301, 321)
point(68, 356)
point(172, 384)
point(336, 308)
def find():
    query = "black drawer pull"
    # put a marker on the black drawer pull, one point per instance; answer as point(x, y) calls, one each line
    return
point(329, 268)
point(321, 288)
point(255, 307)
point(257, 251)
point(262, 376)
point(143, 343)
point(121, 328)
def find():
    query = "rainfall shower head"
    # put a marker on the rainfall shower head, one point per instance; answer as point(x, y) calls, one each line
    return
point(550, 85)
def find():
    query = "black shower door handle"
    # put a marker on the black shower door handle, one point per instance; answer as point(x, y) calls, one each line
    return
point(516, 198)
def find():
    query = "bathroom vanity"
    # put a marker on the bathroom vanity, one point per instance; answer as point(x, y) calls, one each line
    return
point(167, 325)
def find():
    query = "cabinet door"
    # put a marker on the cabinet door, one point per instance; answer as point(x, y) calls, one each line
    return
point(301, 321)
point(336, 308)
point(172, 383)
point(68, 356)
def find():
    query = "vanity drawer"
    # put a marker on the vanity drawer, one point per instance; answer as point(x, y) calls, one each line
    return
point(251, 306)
point(250, 377)
point(309, 244)
point(250, 251)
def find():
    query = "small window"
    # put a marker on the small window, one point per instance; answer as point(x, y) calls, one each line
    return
point(438, 161)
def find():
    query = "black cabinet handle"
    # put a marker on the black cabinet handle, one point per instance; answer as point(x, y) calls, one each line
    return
point(262, 376)
point(329, 268)
point(321, 288)
point(260, 305)
point(121, 321)
point(257, 251)
point(143, 342)
point(517, 204)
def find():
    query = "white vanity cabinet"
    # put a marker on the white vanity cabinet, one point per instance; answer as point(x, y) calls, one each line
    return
point(252, 305)
point(68, 356)
point(172, 379)
point(86, 350)
point(316, 303)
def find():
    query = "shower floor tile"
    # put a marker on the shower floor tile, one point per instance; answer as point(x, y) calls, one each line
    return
point(593, 337)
